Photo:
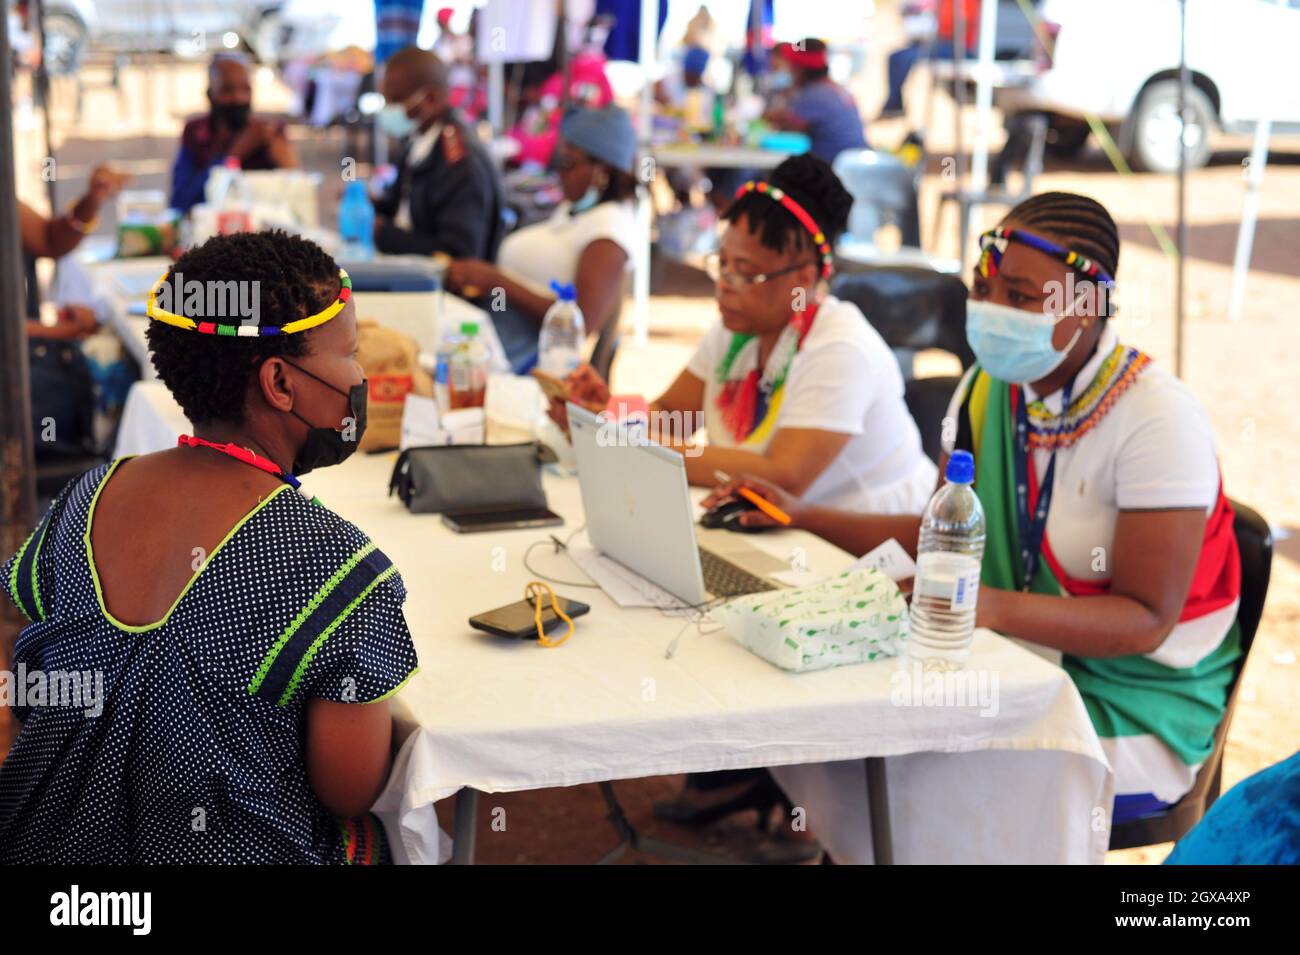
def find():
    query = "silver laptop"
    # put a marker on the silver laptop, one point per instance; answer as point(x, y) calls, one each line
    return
point(639, 513)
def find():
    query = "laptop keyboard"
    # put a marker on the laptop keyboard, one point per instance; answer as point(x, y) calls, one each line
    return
point(722, 578)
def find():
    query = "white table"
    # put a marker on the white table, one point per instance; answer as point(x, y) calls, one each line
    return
point(1027, 783)
point(716, 156)
point(122, 283)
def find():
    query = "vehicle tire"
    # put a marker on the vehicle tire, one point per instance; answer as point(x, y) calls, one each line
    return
point(269, 37)
point(65, 41)
point(1066, 136)
point(1154, 144)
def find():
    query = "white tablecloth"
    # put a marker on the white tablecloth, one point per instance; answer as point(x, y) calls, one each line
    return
point(120, 283)
point(1021, 781)
point(715, 156)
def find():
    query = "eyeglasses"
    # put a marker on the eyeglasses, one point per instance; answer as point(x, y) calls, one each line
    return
point(713, 268)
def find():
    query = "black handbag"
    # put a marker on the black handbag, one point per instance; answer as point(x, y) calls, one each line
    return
point(63, 399)
point(445, 478)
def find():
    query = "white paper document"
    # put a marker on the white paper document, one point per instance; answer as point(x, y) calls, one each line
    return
point(797, 578)
point(890, 559)
point(625, 587)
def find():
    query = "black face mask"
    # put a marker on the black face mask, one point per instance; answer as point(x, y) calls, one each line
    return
point(325, 447)
point(231, 115)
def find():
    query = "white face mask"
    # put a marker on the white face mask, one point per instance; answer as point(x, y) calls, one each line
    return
point(586, 201)
point(1015, 345)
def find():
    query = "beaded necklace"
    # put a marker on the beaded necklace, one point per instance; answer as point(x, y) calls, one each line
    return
point(248, 456)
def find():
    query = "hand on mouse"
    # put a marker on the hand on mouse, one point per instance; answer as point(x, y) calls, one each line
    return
point(781, 498)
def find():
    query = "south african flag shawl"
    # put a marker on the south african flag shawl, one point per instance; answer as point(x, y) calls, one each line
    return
point(1175, 696)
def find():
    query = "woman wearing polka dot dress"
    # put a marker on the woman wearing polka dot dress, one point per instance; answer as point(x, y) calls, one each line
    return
point(235, 641)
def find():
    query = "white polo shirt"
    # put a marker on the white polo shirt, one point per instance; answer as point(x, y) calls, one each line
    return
point(549, 250)
point(844, 379)
point(1153, 450)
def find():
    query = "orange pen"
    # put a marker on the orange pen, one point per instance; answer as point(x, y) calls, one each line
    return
point(767, 507)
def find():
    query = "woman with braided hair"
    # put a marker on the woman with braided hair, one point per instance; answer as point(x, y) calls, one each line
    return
point(792, 384)
point(1109, 538)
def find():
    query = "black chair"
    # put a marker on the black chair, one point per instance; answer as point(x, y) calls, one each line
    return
point(884, 193)
point(911, 307)
point(602, 353)
point(927, 401)
point(1255, 543)
point(55, 471)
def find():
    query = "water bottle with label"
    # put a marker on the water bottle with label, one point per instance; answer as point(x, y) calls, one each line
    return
point(467, 370)
point(563, 335)
point(234, 211)
point(357, 222)
point(442, 368)
point(948, 560)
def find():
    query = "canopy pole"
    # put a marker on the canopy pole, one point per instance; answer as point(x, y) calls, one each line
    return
point(1249, 216)
point(17, 467)
point(1184, 78)
point(959, 109)
point(979, 172)
point(645, 174)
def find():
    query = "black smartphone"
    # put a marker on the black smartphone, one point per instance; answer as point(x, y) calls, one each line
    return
point(519, 619)
point(500, 519)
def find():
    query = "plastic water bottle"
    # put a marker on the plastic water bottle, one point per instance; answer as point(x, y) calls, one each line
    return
point(467, 370)
point(442, 369)
point(948, 561)
point(234, 212)
point(564, 333)
point(357, 222)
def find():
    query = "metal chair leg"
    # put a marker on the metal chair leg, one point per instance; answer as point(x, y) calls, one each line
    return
point(882, 837)
point(465, 832)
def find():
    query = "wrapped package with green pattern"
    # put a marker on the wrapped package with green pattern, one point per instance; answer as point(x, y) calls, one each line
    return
point(860, 615)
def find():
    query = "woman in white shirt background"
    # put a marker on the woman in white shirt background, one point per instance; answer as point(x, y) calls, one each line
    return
point(586, 243)
point(791, 384)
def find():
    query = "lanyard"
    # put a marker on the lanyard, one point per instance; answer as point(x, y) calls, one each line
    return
point(247, 456)
point(1031, 532)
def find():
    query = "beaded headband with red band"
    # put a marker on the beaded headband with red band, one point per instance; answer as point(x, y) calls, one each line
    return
point(993, 244)
point(802, 57)
point(153, 310)
point(799, 212)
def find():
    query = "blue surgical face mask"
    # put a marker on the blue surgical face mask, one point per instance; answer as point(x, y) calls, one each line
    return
point(780, 80)
point(586, 201)
point(1014, 345)
point(394, 122)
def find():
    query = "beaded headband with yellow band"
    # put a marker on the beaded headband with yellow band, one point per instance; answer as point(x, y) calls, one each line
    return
point(249, 331)
point(799, 212)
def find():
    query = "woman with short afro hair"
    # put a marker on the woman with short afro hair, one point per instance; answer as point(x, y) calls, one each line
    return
point(234, 624)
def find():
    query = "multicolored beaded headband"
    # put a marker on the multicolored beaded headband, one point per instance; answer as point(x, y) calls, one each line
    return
point(249, 331)
point(994, 243)
point(800, 213)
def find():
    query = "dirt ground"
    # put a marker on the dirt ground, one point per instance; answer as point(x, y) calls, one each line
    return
point(1235, 368)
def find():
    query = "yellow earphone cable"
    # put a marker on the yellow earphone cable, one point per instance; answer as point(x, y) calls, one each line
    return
point(534, 591)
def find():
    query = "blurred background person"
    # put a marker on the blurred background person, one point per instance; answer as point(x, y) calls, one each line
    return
point(447, 198)
point(54, 238)
point(229, 129)
point(588, 242)
point(805, 99)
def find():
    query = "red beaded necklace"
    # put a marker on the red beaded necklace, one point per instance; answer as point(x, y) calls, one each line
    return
point(248, 456)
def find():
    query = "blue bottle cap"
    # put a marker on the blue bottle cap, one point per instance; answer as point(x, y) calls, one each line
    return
point(961, 468)
point(565, 292)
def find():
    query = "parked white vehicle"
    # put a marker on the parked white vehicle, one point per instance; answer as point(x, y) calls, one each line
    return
point(269, 28)
point(1117, 60)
